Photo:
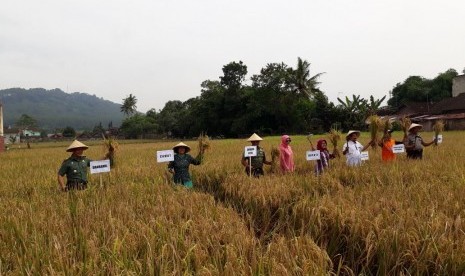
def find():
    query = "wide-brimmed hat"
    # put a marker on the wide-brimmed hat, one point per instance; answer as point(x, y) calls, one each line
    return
point(353, 131)
point(175, 148)
point(76, 145)
point(254, 138)
point(413, 125)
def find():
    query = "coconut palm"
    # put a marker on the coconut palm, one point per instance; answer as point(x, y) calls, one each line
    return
point(305, 84)
point(129, 105)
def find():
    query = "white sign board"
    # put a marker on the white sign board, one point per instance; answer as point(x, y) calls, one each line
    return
point(313, 155)
point(165, 156)
point(365, 156)
point(439, 138)
point(250, 151)
point(398, 148)
point(99, 166)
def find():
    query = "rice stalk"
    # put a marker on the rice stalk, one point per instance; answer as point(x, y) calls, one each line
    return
point(385, 125)
point(204, 142)
point(274, 158)
point(375, 125)
point(110, 146)
point(438, 128)
point(405, 124)
point(334, 136)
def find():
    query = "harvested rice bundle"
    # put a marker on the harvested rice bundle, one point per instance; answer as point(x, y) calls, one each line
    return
point(375, 125)
point(110, 145)
point(385, 125)
point(405, 124)
point(438, 128)
point(274, 158)
point(204, 142)
point(334, 136)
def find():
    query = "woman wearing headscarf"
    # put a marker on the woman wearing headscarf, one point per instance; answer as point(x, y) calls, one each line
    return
point(180, 166)
point(322, 164)
point(386, 145)
point(352, 149)
point(286, 156)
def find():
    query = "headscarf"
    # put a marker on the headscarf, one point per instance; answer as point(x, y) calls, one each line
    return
point(324, 156)
point(286, 157)
point(319, 144)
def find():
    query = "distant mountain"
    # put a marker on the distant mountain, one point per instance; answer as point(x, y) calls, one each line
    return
point(57, 109)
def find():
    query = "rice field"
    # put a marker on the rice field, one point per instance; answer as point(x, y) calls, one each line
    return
point(400, 218)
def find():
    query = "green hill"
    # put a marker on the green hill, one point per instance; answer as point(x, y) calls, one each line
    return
point(57, 109)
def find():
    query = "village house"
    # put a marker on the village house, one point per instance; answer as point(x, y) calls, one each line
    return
point(450, 110)
point(12, 136)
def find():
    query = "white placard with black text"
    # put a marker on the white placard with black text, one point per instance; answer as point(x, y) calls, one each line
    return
point(250, 151)
point(165, 156)
point(365, 155)
point(313, 155)
point(398, 148)
point(439, 138)
point(100, 166)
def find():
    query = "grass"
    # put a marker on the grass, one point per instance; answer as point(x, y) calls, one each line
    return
point(396, 218)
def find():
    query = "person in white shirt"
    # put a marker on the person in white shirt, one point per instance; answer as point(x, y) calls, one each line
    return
point(352, 149)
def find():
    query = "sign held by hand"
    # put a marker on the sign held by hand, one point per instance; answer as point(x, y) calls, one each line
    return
point(250, 151)
point(398, 148)
point(165, 156)
point(313, 155)
point(365, 156)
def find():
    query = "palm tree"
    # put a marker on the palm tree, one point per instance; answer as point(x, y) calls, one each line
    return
point(129, 105)
point(374, 104)
point(303, 83)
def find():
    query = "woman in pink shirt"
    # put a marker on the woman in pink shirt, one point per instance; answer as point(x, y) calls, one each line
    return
point(286, 156)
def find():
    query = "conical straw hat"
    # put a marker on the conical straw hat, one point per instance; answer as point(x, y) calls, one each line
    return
point(352, 131)
point(175, 148)
point(254, 137)
point(76, 145)
point(413, 125)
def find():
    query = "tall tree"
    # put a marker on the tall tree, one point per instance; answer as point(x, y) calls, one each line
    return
point(25, 122)
point(129, 106)
point(305, 85)
point(420, 89)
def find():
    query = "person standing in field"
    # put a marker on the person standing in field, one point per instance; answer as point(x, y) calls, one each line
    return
point(414, 143)
point(180, 166)
point(75, 168)
point(286, 156)
point(322, 164)
point(256, 165)
point(386, 145)
point(352, 149)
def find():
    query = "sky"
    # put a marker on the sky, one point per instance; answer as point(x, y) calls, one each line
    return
point(161, 50)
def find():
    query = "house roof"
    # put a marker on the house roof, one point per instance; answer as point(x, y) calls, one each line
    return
point(416, 107)
point(450, 105)
point(11, 130)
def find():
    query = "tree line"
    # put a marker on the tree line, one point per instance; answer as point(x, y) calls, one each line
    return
point(280, 99)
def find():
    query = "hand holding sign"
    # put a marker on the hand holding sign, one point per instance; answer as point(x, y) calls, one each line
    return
point(398, 148)
point(439, 139)
point(365, 156)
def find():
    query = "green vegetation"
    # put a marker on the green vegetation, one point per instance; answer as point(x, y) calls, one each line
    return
point(56, 109)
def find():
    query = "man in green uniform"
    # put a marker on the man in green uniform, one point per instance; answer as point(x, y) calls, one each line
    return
point(75, 168)
point(256, 166)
